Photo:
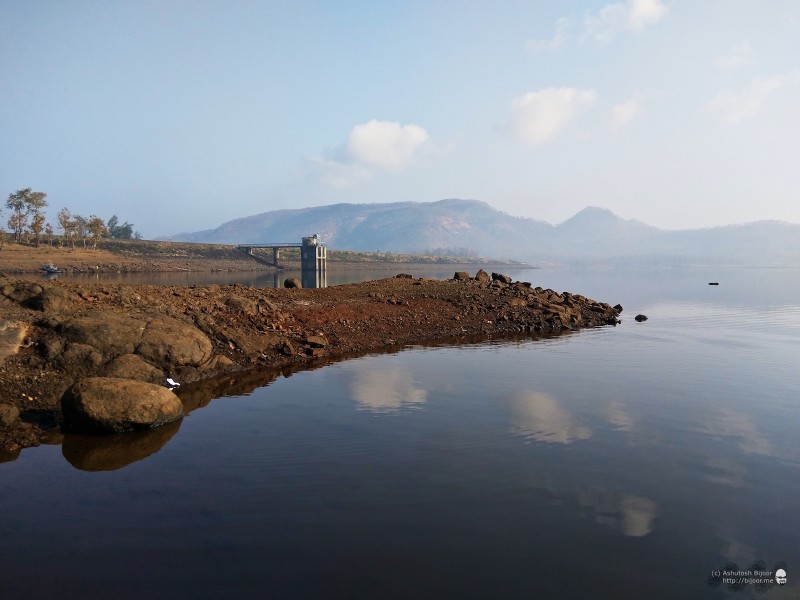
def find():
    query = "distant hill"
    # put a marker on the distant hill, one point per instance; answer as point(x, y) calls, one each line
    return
point(469, 227)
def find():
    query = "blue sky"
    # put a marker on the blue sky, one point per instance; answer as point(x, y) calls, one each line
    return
point(180, 115)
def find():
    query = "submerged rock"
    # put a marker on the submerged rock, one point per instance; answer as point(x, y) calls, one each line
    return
point(640, 318)
point(114, 405)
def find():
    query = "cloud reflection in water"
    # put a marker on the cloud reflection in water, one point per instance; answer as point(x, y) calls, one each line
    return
point(539, 416)
point(386, 390)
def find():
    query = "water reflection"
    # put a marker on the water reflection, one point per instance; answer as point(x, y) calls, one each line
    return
point(632, 515)
point(539, 416)
point(111, 452)
point(749, 439)
point(382, 390)
point(618, 417)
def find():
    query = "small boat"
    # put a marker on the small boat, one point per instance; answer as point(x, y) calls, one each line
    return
point(50, 268)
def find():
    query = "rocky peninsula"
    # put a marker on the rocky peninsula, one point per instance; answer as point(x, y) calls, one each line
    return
point(56, 335)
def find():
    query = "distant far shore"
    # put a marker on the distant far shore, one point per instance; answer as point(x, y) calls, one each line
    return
point(141, 256)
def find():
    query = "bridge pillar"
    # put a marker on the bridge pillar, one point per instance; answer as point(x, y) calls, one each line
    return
point(276, 254)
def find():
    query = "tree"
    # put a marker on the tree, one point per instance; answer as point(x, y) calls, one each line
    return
point(117, 231)
point(65, 223)
point(81, 227)
point(48, 230)
point(25, 203)
point(37, 226)
point(97, 228)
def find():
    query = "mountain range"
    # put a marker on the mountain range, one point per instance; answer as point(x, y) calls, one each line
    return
point(473, 228)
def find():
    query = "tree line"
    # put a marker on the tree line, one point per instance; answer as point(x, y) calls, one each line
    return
point(28, 223)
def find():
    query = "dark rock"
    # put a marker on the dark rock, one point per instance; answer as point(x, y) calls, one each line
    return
point(9, 414)
point(113, 405)
point(461, 276)
point(502, 278)
point(640, 318)
point(80, 357)
point(52, 299)
point(618, 308)
point(482, 276)
point(404, 276)
point(22, 292)
point(292, 282)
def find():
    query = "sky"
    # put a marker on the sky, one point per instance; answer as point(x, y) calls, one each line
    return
point(180, 115)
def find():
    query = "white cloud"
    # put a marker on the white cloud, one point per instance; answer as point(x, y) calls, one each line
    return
point(370, 147)
point(539, 116)
point(734, 107)
point(537, 46)
point(740, 55)
point(612, 19)
point(625, 112)
point(642, 13)
point(385, 144)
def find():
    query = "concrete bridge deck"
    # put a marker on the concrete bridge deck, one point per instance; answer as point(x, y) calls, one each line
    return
point(276, 251)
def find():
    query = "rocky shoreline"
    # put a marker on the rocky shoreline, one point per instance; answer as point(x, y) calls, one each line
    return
point(54, 335)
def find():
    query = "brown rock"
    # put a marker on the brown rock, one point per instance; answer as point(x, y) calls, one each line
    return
point(315, 341)
point(12, 334)
point(482, 276)
point(52, 299)
point(9, 414)
point(461, 276)
point(113, 405)
point(110, 333)
point(172, 343)
point(130, 366)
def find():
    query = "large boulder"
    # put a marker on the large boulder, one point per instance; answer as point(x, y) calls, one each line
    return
point(170, 343)
point(130, 366)
point(52, 299)
point(114, 405)
point(461, 276)
point(109, 333)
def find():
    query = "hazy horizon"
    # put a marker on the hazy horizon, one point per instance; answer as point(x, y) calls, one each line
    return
point(179, 117)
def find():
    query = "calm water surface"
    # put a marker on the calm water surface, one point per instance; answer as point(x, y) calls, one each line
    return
point(627, 462)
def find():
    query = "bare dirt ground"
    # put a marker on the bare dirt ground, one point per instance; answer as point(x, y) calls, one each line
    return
point(53, 334)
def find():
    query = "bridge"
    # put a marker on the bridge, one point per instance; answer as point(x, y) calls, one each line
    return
point(276, 251)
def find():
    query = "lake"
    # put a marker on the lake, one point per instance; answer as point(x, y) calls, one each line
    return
point(634, 461)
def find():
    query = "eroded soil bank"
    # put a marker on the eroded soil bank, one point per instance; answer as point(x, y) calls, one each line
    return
point(53, 334)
